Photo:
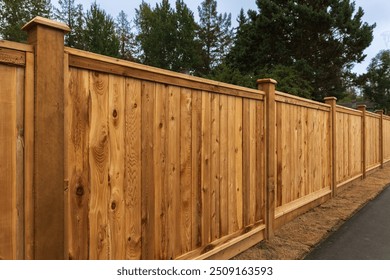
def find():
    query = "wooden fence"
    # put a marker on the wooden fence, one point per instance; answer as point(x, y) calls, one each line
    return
point(107, 159)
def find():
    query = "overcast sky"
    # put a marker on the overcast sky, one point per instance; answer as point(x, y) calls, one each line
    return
point(376, 11)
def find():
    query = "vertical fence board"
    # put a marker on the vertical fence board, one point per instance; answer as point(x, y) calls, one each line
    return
point(29, 157)
point(185, 169)
point(161, 175)
point(174, 215)
point(260, 163)
point(116, 203)
point(214, 168)
point(238, 162)
point(223, 164)
point(77, 131)
point(196, 191)
point(147, 174)
point(99, 152)
point(205, 167)
point(133, 162)
point(8, 217)
point(232, 199)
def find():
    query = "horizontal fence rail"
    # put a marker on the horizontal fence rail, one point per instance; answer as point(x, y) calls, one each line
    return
point(107, 159)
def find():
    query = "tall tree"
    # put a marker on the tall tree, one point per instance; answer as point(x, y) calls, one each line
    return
point(40, 8)
point(100, 36)
point(188, 48)
point(215, 33)
point(376, 82)
point(318, 40)
point(127, 47)
point(15, 13)
point(167, 36)
point(72, 15)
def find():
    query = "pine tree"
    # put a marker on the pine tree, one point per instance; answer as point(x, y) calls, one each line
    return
point(71, 15)
point(376, 86)
point(100, 36)
point(41, 8)
point(215, 33)
point(188, 48)
point(167, 37)
point(318, 40)
point(15, 13)
point(127, 48)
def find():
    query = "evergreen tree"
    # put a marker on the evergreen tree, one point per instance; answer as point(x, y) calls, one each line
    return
point(100, 36)
point(188, 48)
point(376, 82)
point(41, 8)
point(13, 15)
point(215, 33)
point(127, 48)
point(71, 15)
point(167, 37)
point(16, 13)
point(318, 40)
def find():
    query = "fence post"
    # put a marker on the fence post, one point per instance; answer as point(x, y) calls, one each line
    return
point(363, 109)
point(380, 112)
point(47, 37)
point(268, 86)
point(332, 102)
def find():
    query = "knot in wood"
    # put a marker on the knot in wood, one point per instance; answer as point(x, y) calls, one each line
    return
point(80, 191)
point(115, 114)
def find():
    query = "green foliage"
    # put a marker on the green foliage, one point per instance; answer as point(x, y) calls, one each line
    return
point(320, 40)
point(215, 33)
point(99, 35)
point(289, 80)
point(16, 13)
point(224, 73)
point(73, 16)
point(127, 47)
point(167, 36)
point(376, 82)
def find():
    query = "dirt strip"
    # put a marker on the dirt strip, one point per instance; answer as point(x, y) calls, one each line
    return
point(294, 240)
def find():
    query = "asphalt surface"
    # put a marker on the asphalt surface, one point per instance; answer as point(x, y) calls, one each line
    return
point(365, 236)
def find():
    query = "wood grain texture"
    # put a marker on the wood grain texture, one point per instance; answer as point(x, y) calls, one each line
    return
point(8, 163)
point(12, 57)
point(48, 141)
point(133, 163)
point(386, 138)
point(29, 157)
point(148, 96)
point(348, 146)
point(185, 170)
point(299, 172)
point(116, 171)
point(77, 137)
point(99, 152)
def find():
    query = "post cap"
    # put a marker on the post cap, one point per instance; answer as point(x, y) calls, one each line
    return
point(266, 81)
point(362, 106)
point(330, 98)
point(46, 22)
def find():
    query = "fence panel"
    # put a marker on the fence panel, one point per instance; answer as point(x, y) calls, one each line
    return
point(158, 170)
point(12, 94)
point(348, 145)
point(386, 138)
point(303, 152)
point(372, 141)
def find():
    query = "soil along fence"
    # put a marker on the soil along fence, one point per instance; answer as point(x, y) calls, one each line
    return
point(108, 159)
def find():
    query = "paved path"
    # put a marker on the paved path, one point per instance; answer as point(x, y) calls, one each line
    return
point(366, 236)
